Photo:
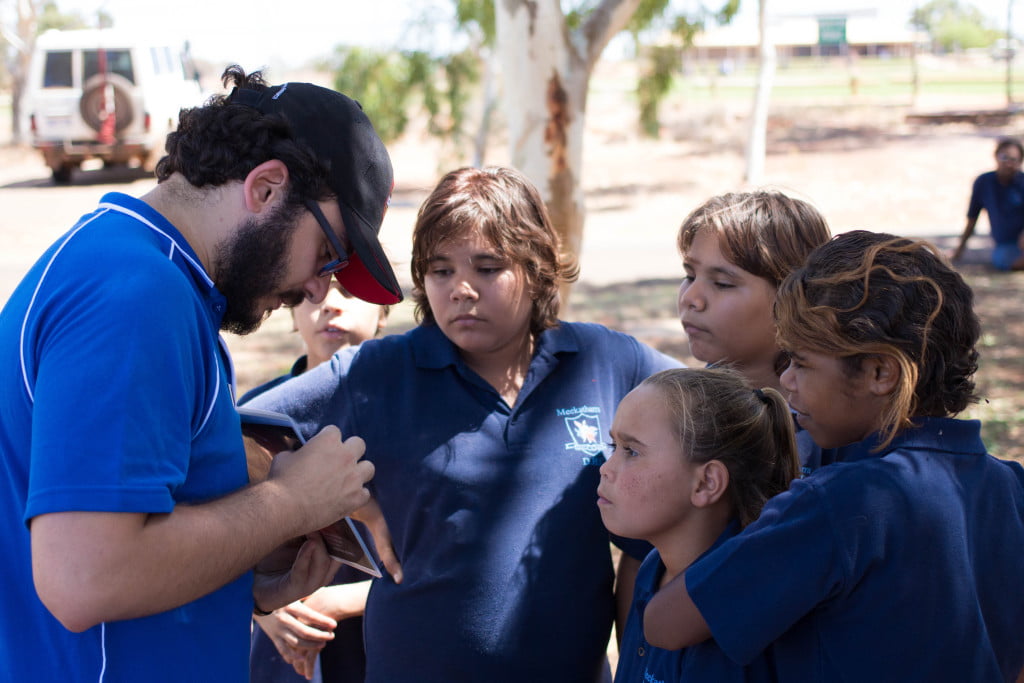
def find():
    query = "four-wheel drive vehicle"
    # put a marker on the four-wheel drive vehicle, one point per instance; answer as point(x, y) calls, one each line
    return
point(101, 94)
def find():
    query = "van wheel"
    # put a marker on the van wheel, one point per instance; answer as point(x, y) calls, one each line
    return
point(62, 174)
point(93, 95)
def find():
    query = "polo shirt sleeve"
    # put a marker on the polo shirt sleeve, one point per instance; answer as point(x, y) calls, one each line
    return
point(651, 361)
point(977, 192)
point(117, 388)
point(757, 585)
point(315, 398)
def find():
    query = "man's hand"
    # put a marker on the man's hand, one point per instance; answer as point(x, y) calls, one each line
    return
point(372, 516)
point(956, 254)
point(326, 476)
point(292, 572)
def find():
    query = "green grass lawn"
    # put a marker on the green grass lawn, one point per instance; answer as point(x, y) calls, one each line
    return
point(822, 79)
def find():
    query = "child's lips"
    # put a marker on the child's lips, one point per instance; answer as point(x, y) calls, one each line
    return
point(692, 330)
point(334, 332)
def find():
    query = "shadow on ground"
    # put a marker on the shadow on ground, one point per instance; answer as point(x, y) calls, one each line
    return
point(99, 176)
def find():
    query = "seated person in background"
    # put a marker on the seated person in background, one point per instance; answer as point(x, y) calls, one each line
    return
point(284, 645)
point(484, 424)
point(900, 562)
point(1001, 194)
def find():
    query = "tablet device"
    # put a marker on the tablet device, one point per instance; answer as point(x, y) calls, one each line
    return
point(266, 434)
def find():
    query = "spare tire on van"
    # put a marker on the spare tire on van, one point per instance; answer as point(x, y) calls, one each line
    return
point(97, 95)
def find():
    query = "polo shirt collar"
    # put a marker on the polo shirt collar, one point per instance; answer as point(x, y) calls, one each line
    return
point(943, 434)
point(433, 350)
point(184, 256)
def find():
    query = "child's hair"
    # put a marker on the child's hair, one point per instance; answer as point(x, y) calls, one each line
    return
point(718, 416)
point(506, 208)
point(764, 232)
point(872, 294)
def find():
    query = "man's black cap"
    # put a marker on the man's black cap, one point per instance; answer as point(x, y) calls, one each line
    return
point(337, 130)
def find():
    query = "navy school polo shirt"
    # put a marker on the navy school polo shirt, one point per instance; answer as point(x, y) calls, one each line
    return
point(903, 565)
point(641, 662)
point(492, 508)
point(1003, 203)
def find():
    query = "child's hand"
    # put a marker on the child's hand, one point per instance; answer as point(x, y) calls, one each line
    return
point(372, 516)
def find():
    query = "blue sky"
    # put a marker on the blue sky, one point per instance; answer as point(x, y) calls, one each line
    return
point(290, 33)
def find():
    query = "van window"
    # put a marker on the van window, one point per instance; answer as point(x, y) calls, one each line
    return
point(57, 70)
point(118, 62)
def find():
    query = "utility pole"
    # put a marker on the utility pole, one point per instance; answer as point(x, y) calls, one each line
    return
point(1011, 50)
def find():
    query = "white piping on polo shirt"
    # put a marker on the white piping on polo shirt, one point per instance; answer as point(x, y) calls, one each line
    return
point(196, 266)
point(32, 301)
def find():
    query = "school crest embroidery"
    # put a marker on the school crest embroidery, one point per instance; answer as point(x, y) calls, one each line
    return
point(584, 426)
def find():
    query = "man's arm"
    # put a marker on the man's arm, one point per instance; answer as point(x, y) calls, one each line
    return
point(968, 231)
point(92, 567)
point(671, 619)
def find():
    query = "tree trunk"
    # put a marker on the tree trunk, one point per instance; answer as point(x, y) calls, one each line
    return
point(487, 106)
point(27, 25)
point(546, 71)
point(757, 142)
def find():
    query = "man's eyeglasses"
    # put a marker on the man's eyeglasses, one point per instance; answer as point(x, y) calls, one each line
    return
point(342, 261)
point(1007, 157)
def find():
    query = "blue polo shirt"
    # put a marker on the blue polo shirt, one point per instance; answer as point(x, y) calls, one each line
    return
point(903, 565)
point(117, 399)
point(492, 508)
point(641, 662)
point(1003, 203)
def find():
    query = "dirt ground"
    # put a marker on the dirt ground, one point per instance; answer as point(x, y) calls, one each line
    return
point(859, 163)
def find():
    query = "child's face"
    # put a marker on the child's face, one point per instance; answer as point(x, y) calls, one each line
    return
point(835, 408)
point(725, 310)
point(479, 299)
point(338, 321)
point(647, 479)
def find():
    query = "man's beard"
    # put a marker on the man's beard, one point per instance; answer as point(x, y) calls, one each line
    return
point(251, 265)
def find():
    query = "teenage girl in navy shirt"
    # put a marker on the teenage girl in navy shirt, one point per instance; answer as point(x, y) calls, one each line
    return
point(737, 248)
point(903, 561)
point(695, 455)
point(484, 424)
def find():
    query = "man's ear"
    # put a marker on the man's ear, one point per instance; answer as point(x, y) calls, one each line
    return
point(881, 373)
point(711, 479)
point(265, 185)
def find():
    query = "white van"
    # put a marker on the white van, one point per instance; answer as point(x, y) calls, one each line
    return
point(104, 94)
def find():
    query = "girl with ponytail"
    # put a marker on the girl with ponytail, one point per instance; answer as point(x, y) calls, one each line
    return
point(696, 453)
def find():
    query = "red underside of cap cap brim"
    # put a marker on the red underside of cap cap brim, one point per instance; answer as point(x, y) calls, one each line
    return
point(360, 283)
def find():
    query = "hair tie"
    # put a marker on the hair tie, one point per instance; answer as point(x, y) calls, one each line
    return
point(761, 396)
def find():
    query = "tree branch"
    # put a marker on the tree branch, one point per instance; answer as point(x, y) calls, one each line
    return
point(601, 25)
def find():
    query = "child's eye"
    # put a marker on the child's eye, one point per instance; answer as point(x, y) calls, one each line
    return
point(439, 272)
point(724, 285)
point(626, 450)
